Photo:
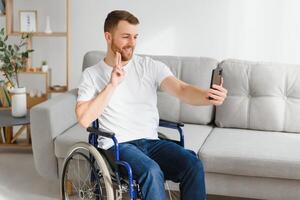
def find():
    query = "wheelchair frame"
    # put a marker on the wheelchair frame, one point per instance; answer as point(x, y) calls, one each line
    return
point(133, 188)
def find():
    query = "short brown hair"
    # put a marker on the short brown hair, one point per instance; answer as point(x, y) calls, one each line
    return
point(115, 16)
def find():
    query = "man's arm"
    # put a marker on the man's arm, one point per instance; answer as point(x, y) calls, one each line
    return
point(191, 94)
point(88, 111)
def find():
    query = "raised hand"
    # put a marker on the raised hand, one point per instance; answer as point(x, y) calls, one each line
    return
point(217, 93)
point(118, 72)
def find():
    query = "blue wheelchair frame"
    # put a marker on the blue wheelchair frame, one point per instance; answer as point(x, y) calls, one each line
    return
point(94, 132)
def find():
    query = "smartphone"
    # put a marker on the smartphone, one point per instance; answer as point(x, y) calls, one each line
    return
point(216, 77)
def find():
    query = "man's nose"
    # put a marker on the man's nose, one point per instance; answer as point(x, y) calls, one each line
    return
point(132, 41)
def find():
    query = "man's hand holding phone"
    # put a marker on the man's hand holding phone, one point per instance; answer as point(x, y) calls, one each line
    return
point(216, 94)
point(118, 72)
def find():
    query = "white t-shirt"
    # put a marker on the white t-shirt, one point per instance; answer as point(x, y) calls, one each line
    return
point(132, 110)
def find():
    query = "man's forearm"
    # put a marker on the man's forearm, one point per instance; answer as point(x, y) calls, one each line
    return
point(194, 95)
point(95, 108)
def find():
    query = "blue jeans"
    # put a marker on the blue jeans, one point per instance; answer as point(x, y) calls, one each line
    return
point(154, 161)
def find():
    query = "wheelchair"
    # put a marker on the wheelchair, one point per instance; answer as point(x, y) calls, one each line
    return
point(89, 173)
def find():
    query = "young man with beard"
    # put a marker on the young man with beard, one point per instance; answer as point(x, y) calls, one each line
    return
point(121, 91)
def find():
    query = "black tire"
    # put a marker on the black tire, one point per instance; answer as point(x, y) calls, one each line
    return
point(82, 162)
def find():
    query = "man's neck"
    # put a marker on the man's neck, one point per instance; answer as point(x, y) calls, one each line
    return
point(110, 59)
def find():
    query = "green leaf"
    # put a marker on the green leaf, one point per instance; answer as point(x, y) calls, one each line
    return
point(25, 55)
point(17, 48)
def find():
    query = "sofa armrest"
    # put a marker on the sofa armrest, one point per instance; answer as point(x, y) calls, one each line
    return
point(48, 120)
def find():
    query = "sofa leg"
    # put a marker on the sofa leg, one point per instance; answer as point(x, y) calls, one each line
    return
point(69, 188)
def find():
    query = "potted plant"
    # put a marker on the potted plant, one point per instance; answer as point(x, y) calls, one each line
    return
point(44, 66)
point(13, 57)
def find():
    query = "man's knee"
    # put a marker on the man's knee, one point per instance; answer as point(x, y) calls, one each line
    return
point(153, 172)
point(194, 165)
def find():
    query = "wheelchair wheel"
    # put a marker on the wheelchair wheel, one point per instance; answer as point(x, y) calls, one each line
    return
point(85, 175)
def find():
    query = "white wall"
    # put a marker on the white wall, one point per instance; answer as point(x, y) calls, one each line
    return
point(259, 30)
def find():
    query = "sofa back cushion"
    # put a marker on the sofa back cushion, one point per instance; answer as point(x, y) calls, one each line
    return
point(193, 70)
point(261, 96)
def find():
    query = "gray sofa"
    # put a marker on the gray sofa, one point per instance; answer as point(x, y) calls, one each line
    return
point(250, 146)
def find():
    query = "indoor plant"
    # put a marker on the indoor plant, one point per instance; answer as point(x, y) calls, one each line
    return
point(13, 57)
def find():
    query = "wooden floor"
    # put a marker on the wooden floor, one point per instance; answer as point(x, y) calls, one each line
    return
point(217, 197)
point(175, 196)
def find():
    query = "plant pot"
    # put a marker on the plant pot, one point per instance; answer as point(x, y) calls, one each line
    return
point(45, 68)
point(18, 102)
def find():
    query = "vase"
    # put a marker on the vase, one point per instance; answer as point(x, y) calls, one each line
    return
point(48, 29)
point(18, 102)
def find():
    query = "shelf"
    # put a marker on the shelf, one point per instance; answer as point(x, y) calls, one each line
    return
point(41, 34)
point(19, 144)
point(64, 34)
point(38, 72)
point(32, 101)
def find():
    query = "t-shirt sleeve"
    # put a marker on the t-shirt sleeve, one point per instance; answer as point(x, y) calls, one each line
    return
point(86, 88)
point(162, 72)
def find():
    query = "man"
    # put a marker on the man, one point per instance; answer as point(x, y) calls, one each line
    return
point(121, 91)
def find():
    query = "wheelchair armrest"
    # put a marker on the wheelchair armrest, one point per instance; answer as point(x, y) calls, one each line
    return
point(169, 124)
point(174, 125)
point(101, 132)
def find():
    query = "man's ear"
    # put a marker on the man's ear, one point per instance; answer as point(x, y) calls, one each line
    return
point(108, 37)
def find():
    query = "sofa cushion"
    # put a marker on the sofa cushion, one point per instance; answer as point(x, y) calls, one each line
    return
point(195, 135)
point(261, 96)
point(252, 153)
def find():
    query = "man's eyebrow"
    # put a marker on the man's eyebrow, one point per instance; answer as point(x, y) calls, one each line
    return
point(128, 34)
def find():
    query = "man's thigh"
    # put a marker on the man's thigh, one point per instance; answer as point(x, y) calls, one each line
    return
point(137, 159)
point(172, 158)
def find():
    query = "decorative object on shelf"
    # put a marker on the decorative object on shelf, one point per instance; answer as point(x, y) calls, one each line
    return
point(58, 88)
point(28, 21)
point(18, 102)
point(31, 93)
point(39, 93)
point(48, 28)
point(44, 66)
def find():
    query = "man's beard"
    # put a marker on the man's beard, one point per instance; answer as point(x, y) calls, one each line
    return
point(124, 55)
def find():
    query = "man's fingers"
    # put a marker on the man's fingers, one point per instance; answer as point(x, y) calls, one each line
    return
point(218, 92)
point(216, 97)
point(116, 59)
point(216, 102)
point(119, 59)
point(220, 88)
point(119, 71)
